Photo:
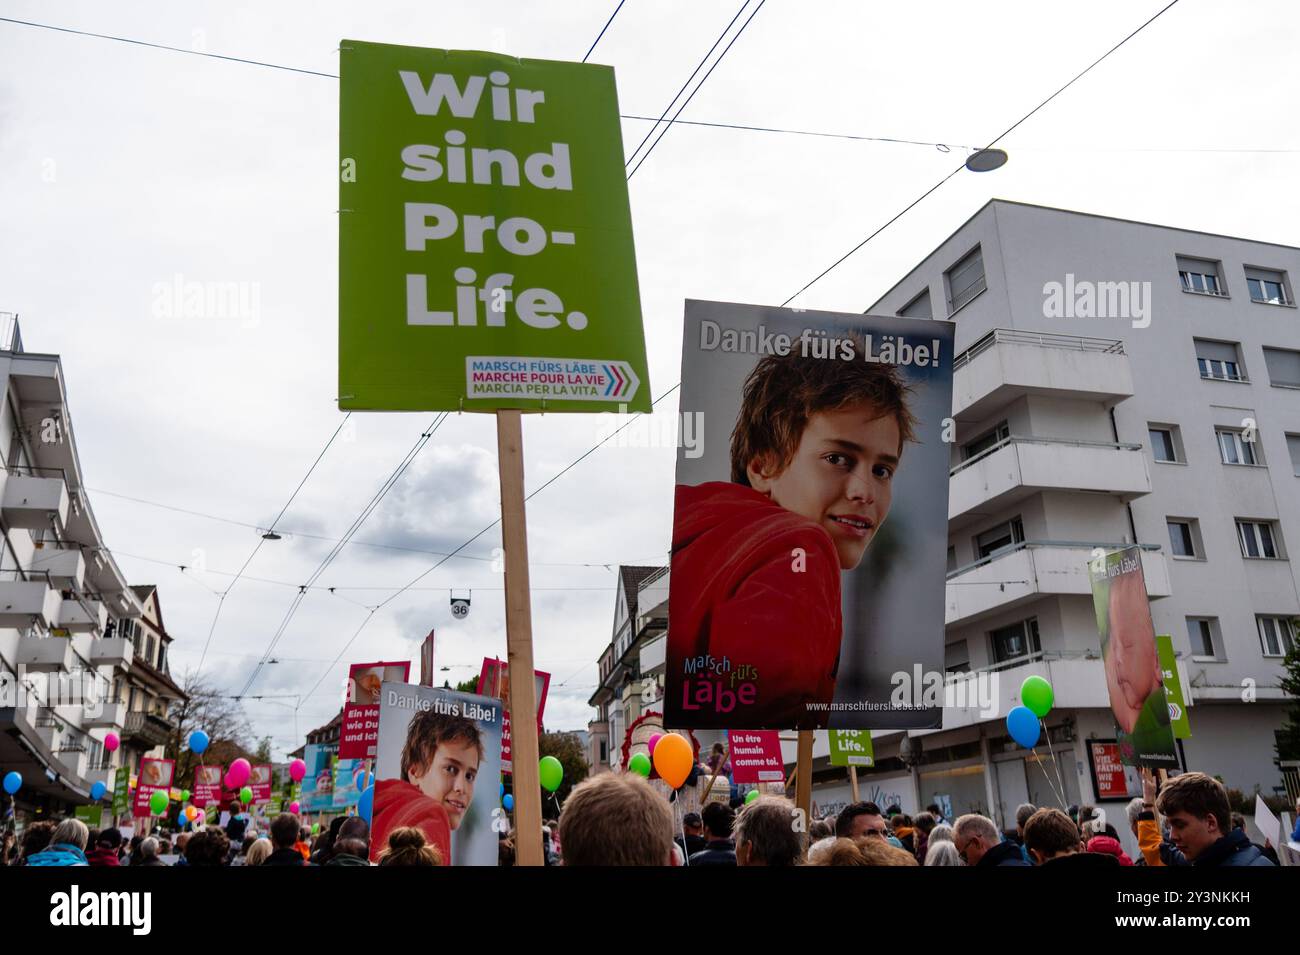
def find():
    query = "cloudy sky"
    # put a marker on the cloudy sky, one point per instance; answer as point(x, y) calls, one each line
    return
point(124, 170)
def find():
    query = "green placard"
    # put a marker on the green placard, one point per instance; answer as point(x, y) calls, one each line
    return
point(121, 790)
point(1173, 687)
point(485, 237)
point(852, 748)
point(92, 816)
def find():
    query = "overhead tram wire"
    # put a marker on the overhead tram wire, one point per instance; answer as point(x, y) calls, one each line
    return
point(366, 511)
point(646, 154)
point(221, 600)
point(604, 28)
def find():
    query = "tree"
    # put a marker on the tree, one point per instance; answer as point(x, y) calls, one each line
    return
point(468, 686)
point(566, 748)
point(263, 754)
point(1288, 738)
point(207, 708)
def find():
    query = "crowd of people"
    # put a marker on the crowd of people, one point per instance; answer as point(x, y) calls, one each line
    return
point(622, 820)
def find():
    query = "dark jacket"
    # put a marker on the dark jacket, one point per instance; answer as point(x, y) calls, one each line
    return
point(1082, 860)
point(1004, 853)
point(1234, 849)
point(693, 845)
point(102, 855)
point(345, 858)
point(717, 852)
point(151, 863)
point(285, 857)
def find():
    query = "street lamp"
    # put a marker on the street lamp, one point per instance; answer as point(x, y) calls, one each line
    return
point(986, 160)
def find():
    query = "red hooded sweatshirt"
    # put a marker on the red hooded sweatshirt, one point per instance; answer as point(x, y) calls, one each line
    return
point(754, 601)
point(1108, 845)
point(399, 803)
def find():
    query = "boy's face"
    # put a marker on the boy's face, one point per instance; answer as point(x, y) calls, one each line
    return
point(840, 476)
point(449, 778)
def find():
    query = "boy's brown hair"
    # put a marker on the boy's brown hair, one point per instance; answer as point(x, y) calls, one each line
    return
point(616, 819)
point(784, 391)
point(1197, 795)
point(428, 731)
point(1050, 832)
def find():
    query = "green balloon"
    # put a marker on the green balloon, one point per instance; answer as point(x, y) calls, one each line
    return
point(751, 796)
point(1036, 693)
point(185, 795)
point(551, 773)
point(315, 828)
point(246, 795)
point(158, 802)
point(640, 764)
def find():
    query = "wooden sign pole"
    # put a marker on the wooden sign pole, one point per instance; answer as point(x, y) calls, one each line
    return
point(519, 641)
point(853, 783)
point(803, 774)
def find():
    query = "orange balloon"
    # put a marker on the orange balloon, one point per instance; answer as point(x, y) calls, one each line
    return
point(673, 759)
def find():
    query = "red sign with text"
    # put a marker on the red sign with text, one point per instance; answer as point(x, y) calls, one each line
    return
point(360, 730)
point(755, 756)
point(494, 681)
point(260, 782)
point(155, 775)
point(1108, 771)
point(207, 786)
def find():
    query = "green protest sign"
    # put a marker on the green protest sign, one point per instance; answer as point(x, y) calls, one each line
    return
point(1173, 687)
point(92, 816)
point(121, 790)
point(852, 748)
point(485, 237)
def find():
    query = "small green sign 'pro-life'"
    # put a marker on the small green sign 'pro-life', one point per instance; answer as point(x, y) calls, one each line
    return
point(485, 238)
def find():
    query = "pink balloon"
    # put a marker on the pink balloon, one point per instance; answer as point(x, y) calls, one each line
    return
point(111, 742)
point(294, 808)
point(201, 815)
point(239, 772)
point(297, 770)
point(654, 741)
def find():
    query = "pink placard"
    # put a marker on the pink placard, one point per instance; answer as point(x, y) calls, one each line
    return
point(360, 730)
point(755, 756)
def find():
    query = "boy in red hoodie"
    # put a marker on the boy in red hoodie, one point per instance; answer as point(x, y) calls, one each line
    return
point(440, 763)
point(754, 612)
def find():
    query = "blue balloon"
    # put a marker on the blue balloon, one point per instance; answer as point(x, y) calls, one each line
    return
point(198, 741)
point(1022, 724)
point(502, 790)
point(509, 802)
point(97, 791)
point(366, 803)
point(13, 782)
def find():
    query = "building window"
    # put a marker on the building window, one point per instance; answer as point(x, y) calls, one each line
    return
point(1293, 445)
point(1200, 276)
point(1233, 449)
point(1005, 535)
point(1276, 638)
point(1267, 287)
point(1016, 641)
point(1164, 443)
point(1184, 537)
point(1200, 634)
point(1283, 366)
point(604, 752)
point(956, 657)
point(986, 441)
point(965, 279)
point(1258, 539)
point(918, 307)
point(1220, 360)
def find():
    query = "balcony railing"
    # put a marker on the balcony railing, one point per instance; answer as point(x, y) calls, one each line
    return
point(1023, 545)
point(1025, 439)
point(1011, 336)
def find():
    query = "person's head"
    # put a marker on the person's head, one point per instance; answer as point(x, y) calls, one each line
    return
point(207, 848)
point(284, 830)
point(860, 819)
point(442, 756)
point(1023, 812)
point(304, 834)
point(974, 835)
point(36, 837)
point(354, 838)
point(257, 852)
point(71, 832)
point(1050, 833)
point(942, 853)
point(693, 823)
point(924, 823)
point(407, 846)
point(893, 810)
point(1132, 668)
point(819, 829)
point(933, 809)
point(1196, 807)
point(616, 819)
point(149, 848)
point(1238, 821)
point(859, 852)
point(111, 839)
point(766, 833)
point(900, 822)
point(823, 438)
point(717, 749)
point(182, 841)
point(719, 819)
point(941, 833)
point(247, 843)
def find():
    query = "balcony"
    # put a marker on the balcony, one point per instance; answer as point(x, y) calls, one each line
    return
point(114, 651)
point(111, 714)
point(1078, 680)
point(45, 654)
point(83, 615)
point(65, 566)
point(1019, 467)
point(147, 728)
point(1029, 570)
point(35, 500)
point(26, 599)
point(1007, 364)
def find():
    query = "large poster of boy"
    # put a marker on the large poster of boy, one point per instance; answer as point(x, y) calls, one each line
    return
point(437, 769)
point(1134, 679)
point(810, 528)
